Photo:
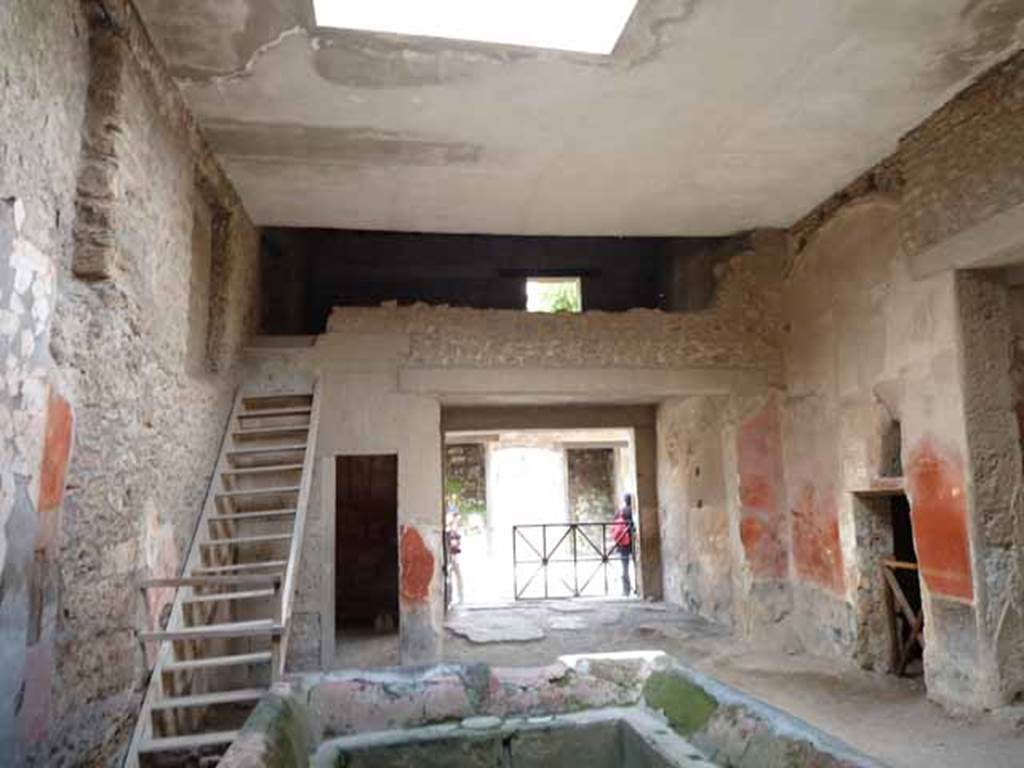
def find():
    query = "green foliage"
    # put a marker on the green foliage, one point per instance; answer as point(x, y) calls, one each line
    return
point(556, 296)
point(563, 297)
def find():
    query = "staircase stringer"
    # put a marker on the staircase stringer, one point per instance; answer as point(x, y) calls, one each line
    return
point(295, 552)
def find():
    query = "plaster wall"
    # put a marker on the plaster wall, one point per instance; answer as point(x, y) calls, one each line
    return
point(387, 372)
point(881, 328)
point(724, 520)
point(363, 411)
point(693, 513)
point(868, 345)
point(707, 118)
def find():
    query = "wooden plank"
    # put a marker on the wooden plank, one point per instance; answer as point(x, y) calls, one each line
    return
point(238, 696)
point(280, 491)
point(224, 597)
point(259, 564)
point(262, 539)
point(247, 399)
point(265, 469)
point(267, 449)
point(904, 604)
point(217, 662)
point(261, 628)
point(882, 486)
point(268, 431)
point(295, 553)
point(901, 565)
point(212, 581)
point(241, 517)
point(274, 412)
point(188, 742)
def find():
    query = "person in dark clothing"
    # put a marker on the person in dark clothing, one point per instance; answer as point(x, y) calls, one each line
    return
point(623, 531)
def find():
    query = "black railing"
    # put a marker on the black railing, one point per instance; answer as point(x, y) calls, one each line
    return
point(562, 560)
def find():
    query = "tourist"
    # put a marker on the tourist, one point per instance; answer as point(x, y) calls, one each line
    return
point(622, 537)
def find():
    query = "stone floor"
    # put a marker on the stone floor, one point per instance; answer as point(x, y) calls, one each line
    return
point(881, 715)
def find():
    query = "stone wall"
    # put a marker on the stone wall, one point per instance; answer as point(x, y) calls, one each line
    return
point(465, 474)
point(963, 165)
point(100, 276)
point(43, 69)
point(869, 345)
point(739, 330)
point(591, 481)
point(316, 270)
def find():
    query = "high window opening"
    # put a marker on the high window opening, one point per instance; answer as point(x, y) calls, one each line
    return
point(584, 26)
point(554, 294)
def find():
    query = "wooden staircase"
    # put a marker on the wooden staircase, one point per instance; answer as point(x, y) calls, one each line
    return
point(226, 638)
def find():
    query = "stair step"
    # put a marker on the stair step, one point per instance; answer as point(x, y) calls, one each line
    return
point(264, 469)
point(211, 581)
point(246, 399)
point(268, 449)
point(239, 696)
point(234, 629)
point(208, 569)
point(269, 412)
point(189, 742)
point(264, 539)
point(267, 431)
point(259, 492)
point(223, 597)
point(241, 517)
point(217, 662)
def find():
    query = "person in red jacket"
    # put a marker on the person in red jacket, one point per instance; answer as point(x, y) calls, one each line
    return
point(623, 532)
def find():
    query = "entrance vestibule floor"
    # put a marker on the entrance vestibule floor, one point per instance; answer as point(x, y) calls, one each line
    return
point(883, 716)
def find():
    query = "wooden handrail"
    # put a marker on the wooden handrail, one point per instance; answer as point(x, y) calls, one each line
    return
point(301, 508)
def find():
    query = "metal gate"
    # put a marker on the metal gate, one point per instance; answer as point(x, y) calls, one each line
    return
point(562, 560)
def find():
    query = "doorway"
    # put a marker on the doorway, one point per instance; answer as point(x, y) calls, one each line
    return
point(904, 585)
point(529, 515)
point(366, 549)
point(889, 589)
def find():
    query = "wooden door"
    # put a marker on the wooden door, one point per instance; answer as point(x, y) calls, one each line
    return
point(366, 575)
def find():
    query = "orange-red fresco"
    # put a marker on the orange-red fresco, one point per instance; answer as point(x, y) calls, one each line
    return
point(56, 450)
point(935, 481)
point(817, 554)
point(417, 566)
point(762, 521)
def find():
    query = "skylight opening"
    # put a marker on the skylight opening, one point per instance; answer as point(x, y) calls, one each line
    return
point(554, 294)
point(584, 26)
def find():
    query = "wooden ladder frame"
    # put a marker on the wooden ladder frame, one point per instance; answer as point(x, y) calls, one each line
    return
point(154, 692)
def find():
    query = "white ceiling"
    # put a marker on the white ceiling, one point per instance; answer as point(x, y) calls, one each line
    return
point(711, 116)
